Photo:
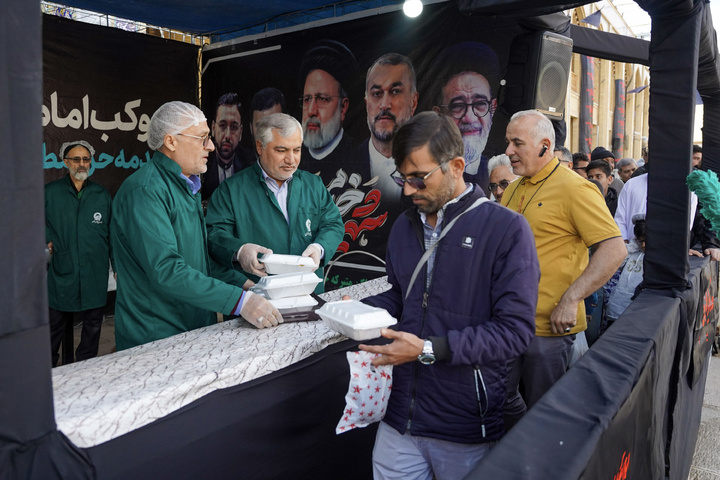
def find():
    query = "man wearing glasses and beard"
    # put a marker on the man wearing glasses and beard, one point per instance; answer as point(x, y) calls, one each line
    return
point(229, 156)
point(468, 76)
point(77, 231)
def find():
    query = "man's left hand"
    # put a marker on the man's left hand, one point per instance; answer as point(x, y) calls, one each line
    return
point(713, 253)
point(563, 317)
point(405, 348)
point(313, 252)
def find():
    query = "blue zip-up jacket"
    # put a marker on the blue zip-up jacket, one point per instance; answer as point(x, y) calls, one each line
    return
point(479, 310)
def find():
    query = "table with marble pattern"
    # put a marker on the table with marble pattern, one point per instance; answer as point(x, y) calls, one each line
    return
point(102, 398)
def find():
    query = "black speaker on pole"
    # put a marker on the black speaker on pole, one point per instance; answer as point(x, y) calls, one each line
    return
point(537, 74)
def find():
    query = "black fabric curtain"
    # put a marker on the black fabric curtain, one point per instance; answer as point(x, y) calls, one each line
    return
point(673, 62)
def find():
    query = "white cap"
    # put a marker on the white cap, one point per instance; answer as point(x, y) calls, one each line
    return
point(170, 119)
point(70, 145)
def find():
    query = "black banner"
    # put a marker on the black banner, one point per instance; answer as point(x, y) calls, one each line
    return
point(102, 85)
point(618, 134)
point(449, 53)
point(706, 320)
point(587, 102)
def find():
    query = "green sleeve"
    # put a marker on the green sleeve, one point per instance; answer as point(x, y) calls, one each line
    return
point(152, 241)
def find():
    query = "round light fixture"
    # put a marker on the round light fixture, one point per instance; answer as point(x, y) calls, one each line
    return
point(412, 8)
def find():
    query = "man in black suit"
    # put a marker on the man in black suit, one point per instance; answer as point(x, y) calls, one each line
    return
point(229, 156)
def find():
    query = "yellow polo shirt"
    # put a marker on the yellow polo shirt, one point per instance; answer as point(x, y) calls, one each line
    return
point(567, 215)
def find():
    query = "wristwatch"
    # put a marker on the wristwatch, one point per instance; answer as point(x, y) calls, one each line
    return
point(427, 357)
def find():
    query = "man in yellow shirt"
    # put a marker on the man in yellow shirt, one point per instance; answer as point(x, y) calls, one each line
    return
point(567, 215)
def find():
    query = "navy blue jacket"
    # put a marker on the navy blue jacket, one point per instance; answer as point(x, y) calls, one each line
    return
point(480, 304)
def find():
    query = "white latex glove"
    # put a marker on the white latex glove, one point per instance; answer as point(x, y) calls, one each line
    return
point(259, 312)
point(313, 252)
point(247, 256)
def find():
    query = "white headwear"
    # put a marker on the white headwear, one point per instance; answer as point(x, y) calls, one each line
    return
point(171, 119)
point(70, 145)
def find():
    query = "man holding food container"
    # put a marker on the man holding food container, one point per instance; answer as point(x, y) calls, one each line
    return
point(464, 276)
point(272, 207)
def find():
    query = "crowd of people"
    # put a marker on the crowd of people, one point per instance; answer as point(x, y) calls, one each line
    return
point(490, 295)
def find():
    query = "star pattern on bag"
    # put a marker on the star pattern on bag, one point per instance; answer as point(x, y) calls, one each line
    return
point(368, 392)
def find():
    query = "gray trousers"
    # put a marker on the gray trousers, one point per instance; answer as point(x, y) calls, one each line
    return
point(545, 361)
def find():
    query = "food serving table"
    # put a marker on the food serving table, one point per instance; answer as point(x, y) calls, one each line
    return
point(227, 400)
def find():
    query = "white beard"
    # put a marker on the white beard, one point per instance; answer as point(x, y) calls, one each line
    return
point(319, 139)
point(79, 176)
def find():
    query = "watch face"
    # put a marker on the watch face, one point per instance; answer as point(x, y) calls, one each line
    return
point(426, 359)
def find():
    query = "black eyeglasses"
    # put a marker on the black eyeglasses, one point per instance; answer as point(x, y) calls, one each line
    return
point(418, 183)
point(234, 126)
point(205, 139)
point(580, 168)
point(320, 99)
point(503, 184)
point(77, 160)
point(459, 109)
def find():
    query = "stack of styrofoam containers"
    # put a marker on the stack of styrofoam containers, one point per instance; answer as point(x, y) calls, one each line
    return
point(290, 281)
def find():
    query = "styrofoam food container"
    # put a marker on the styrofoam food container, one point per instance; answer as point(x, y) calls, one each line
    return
point(287, 285)
point(355, 319)
point(294, 304)
point(276, 264)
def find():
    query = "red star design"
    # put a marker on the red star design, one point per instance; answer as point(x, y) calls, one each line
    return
point(356, 389)
point(370, 397)
point(362, 405)
point(356, 375)
point(342, 428)
point(363, 364)
point(383, 398)
point(349, 411)
point(370, 414)
point(368, 375)
point(346, 418)
point(352, 425)
point(377, 390)
point(376, 379)
point(354, 399)
point(376, 403)
point(389, 387)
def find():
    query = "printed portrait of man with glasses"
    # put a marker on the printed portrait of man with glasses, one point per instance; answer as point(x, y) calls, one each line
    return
point(468, 76)
point(229, 156)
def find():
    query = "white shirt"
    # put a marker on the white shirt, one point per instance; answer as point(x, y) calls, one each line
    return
point(633, 200)
point(382, 168)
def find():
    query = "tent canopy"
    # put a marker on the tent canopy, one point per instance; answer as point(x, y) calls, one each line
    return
point(217, 16)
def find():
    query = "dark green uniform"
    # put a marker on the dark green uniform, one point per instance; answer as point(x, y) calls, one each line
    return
point(244, 210)
point(78, 224)
point(160, 247)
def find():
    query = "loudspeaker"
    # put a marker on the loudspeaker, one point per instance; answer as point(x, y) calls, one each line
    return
point(537, 74)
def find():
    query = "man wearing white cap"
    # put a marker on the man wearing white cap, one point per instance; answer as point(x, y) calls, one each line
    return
point(77, 231)
point(160, 242)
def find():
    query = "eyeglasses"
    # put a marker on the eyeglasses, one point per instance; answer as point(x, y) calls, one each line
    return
point(205, 139)
point(77, 160)
point(418, 183)
point(234, 127)
point(503, 184)
point(459, 109)
point(320, 99)
point(580, 168)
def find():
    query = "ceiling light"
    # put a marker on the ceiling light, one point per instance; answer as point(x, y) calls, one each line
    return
point(412, 8)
